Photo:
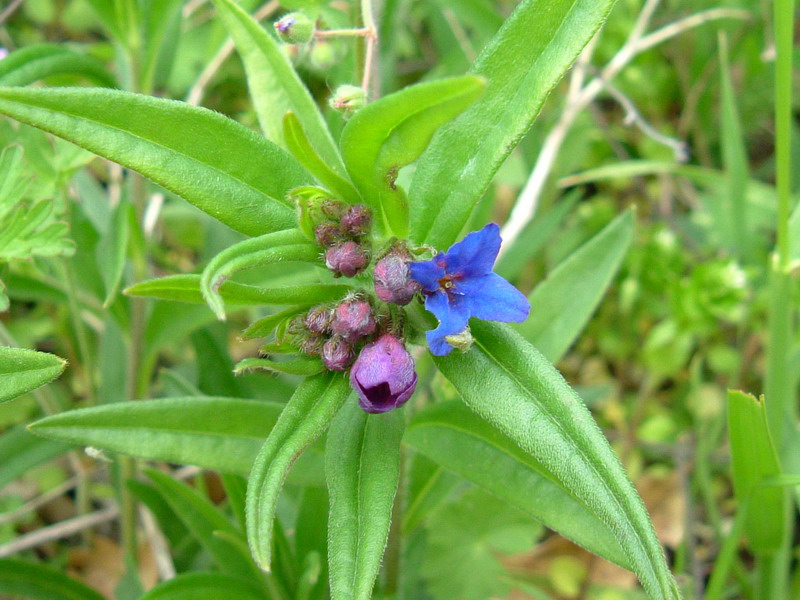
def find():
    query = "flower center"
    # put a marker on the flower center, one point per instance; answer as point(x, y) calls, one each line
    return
point(447, 282)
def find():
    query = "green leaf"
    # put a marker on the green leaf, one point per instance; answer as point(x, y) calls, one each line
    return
point(216, 433)
point(32, 63)
point(535, 408)
point(186, 288)
point(276, 321)
point(274, 85)
point(362, 466)
point(733, 224)
point(305, 418)
point(301, 365)
point(202, 586)
point(279, 247)
point(22, 371)
point(158, 19)
point(206, 523)
point(218, 165)
point(392, 132)
point(522, 64)
point(466, 542)
point(754, 461)
point(20, 578)
point(27, 229)
point(563, 303)
point(463, 443)
point(534, 237)
point(300, 146)
point(20, 452)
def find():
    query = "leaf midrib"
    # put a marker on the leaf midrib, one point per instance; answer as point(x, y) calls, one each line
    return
point(548, 414)
point(192, 159)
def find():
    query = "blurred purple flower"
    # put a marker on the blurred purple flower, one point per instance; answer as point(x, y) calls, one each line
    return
point(459, 284)
point(383, 375)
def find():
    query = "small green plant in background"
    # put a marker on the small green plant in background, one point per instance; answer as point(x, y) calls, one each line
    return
point(336, 347)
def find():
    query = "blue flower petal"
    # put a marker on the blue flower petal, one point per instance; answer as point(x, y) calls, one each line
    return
point(453, 315)
point(492, 298)
point(475, 254)
point(429, 272)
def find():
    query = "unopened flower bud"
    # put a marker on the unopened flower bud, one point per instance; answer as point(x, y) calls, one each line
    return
point(392, 278)
point(295, 28)
point(353, 320)
point(322, 56)
point(461, 341)
point(347, 99)
point(318, 319)
point(383, 375)
point(357, 220)
point(337, 354)
point(347, 258)
point(327, 234)
point(312, 344)
point(333, 208)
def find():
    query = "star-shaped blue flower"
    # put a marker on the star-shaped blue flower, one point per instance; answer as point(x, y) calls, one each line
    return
point(459, 284)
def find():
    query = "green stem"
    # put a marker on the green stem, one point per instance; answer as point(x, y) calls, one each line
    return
point(87, 366)
point(772, 572)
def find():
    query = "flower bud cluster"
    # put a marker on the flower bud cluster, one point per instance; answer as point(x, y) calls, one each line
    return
point(334, 332)
point(342, 237)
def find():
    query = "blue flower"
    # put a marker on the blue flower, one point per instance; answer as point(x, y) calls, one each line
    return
point(459, 284)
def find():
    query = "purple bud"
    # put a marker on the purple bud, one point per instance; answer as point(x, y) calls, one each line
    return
point(318, 319)
point(327, 234)
point(393, 281)
point(353, 320)
point(348, 259)
point(383, 375)
point(357, 220)
point(337, 354)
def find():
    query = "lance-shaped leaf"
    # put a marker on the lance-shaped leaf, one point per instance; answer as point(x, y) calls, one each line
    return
point(202, 586)
point(754, 461)
point(306, 416)
point(274, 85)
point(186, 288)
point(216, 433)
point(24, 579)
point(20, 452)
point(564, 302)
point(392, 132)
point(300, 146)
point(534, 407)
point(217, 164)
point(281, 246)
point(211, 528)
point(32, 63)
point(462, 442)
point(362, 467)
point(23, 370)
point(522, 64)
point(301, 365)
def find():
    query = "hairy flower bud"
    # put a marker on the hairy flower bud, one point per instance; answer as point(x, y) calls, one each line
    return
point(357, 220)
point(295, 28)
point(337, 354)
point(327, 234)
point(347, 258)
point(347, 99)
point(392, 278)
point(318, 319)
point(312, 344)
point(353, 320)
point(383, 375)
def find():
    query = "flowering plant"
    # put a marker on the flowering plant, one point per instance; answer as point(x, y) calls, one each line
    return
point(381, 292)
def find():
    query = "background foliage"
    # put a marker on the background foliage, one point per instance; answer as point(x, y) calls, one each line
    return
point(640, 212)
